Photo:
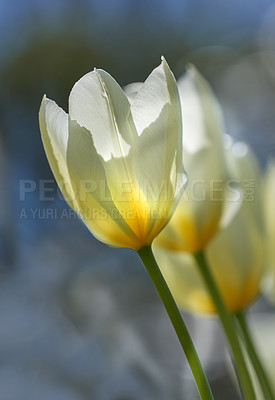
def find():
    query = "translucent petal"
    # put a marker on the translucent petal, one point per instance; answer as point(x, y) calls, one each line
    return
point(54, 131)
point(236, 259)
point(235, 254)
point(131, 90)
point(269, 220)
point(159, 168)
point(202, 114)
point(98, 104)
point(197, 217)
point(95, 203)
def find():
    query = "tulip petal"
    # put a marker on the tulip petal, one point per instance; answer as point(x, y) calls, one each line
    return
point(244, 185)
point(203, 151)
point(185, 282)
point(233, 199)
point(98, 104)
point(132, 90)
point(157, 118)
point(197, 217)
point(54, 130)
point(153, 96)
point(235, 254)
point(201, 111)
point(269, 219)
point(235, 258)
point(246, 170)
point(95, 203)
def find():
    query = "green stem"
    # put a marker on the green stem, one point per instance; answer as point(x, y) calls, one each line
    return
point(158, 280)
point(228, 325)
point(261, 375)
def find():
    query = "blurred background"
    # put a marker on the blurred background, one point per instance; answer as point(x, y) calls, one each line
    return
point(79, 320)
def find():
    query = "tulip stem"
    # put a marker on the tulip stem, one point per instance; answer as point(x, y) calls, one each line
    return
point(228, 325)
point(181, 330)
point(261, 374)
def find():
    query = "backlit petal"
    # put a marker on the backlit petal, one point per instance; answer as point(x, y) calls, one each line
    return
point(235, 254)
point(95, 203)
point(196, 219)
point(54, 131)
point(98, 104)
point(157, 117)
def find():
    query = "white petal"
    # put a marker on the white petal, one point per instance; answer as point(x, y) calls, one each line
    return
point(157, 117)
point(203, 120)
point(244, 174)
point(203, 151)
point(269, 200)
point(98, 104)
point(132, 90)
point(198, 214)
point(269, 220)
point(236, 259)
point(153, 96)
point(232, 204)
point(182, 276)
point(197, 217)
point(54, 130)
point(95, 203)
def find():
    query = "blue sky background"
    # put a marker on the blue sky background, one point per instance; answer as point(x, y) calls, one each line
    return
point(203, 22)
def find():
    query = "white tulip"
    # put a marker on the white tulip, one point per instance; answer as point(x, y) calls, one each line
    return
point(119, 165)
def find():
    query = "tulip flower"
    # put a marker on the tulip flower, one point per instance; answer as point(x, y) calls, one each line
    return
point(269, 218)
point(118, 165)
point(204, 208)
point(225, 277)
point(197, 218)
point(235, 255)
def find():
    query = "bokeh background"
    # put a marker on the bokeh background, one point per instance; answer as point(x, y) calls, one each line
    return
point(79, 320)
